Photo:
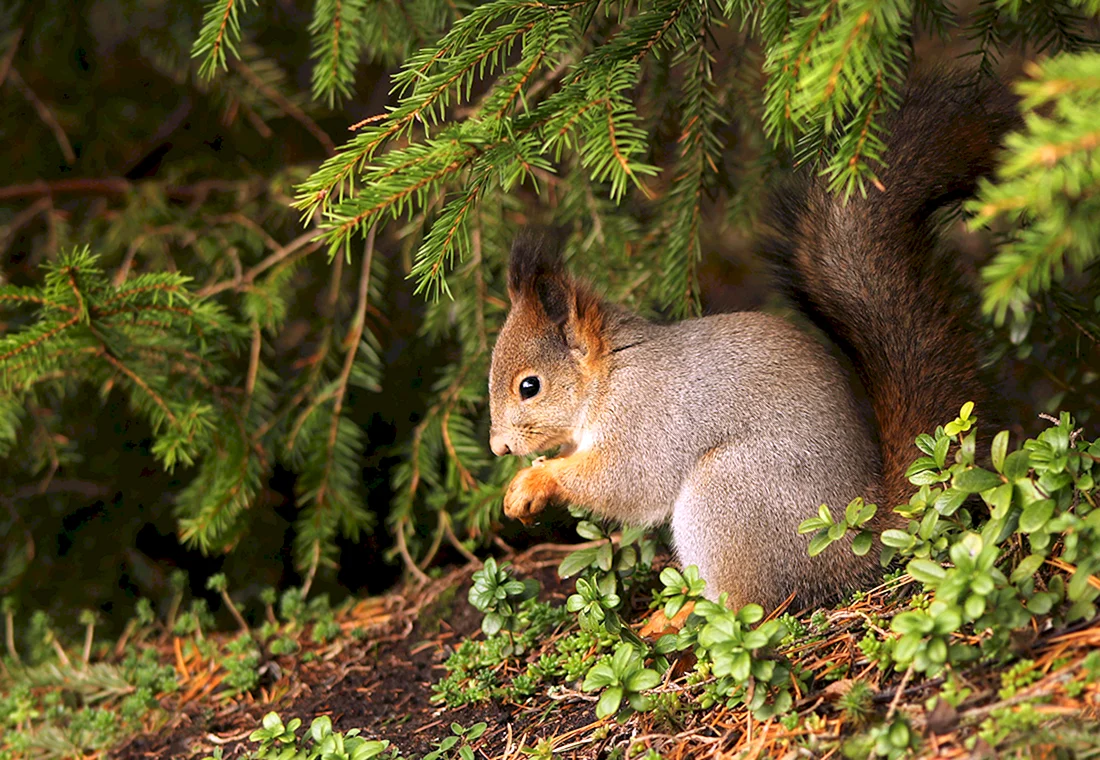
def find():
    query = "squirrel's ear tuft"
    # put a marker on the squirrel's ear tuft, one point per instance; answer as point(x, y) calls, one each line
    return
point(537, 277)
point(536, 270)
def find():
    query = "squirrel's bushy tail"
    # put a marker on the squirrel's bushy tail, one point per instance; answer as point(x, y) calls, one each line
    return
point(865, 273)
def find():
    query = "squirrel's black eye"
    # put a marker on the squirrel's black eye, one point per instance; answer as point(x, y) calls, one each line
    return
point(529, 387)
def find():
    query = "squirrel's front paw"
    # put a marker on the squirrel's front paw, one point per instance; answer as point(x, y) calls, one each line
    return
point(529, 493)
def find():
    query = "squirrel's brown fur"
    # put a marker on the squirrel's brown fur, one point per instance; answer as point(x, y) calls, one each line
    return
point(866, 271)
point(735, 427)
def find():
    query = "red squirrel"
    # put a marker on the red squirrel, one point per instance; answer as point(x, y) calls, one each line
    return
point(735, 427)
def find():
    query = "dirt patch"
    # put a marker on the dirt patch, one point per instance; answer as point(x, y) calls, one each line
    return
point(380, 684)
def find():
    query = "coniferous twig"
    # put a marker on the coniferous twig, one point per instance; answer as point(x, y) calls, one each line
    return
point(619, 123)
point(1047, 187)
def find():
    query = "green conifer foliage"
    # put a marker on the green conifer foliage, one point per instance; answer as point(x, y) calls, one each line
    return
point(644, 130)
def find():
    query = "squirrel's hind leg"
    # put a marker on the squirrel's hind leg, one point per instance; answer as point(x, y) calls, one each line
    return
point(736, 519)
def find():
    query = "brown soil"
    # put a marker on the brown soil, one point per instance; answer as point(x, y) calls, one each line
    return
point(380, 685)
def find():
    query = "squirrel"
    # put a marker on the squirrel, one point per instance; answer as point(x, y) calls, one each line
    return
point(735, 427)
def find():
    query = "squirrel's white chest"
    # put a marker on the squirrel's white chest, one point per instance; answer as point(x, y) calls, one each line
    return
point(586, 440)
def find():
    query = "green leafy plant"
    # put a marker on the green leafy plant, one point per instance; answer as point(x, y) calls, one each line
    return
point(498, 594)
point(274, 736)
point(622, 677)
point(1043, 492)
point(279, 741)
point(889, 740)
point(606, 574)
point(595, 603)
point(737, 657)
point(679, 588)
point(473, 669)
point(856, 515)
point(242, 664)
point(458, 744)
point(633, 554)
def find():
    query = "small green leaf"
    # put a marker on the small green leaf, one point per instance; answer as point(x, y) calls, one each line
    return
point(576, 562)
point(740, 666)
point(861, 544)
point(809, 525)
point(320, 728)
point(599, 676)
point(819, 543)
point(906, 648)
point(640, 702)
point(948, 621)
point(1041, 603)
point(976, 480)
point(750, 614)
point(974, 607)
point(926, 443)
point(999, 500)
point(937, 650)
point(1016, 465)
point(999, 450)
point(609, 702)
point(940, 452)
point(853, 510)
point(620, 661)
point(640, 680)
point(927, 478)
point(1036, 515)
point(898, 539)
point(912, 622)
point(926, 571)
point(492, 623)
point(672, 578)
point(949, 501)
point(1028, 567)
point(605, 554)
point(589, 530)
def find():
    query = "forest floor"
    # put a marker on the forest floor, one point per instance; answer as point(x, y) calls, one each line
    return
point(377, 676)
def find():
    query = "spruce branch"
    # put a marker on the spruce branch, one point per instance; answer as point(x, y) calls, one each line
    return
point(324, 487)
point(426, 95)
point(221, 30)
point(303, 245)
point(337, 47)
point(700, 152)
point(97, 331)
point(593, 115)
point(1046, 187)
point(836, 70)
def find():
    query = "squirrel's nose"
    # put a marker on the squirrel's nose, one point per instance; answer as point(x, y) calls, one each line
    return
point(498, 445)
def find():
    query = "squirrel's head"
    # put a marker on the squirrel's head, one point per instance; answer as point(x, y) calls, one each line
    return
point(548, 353)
